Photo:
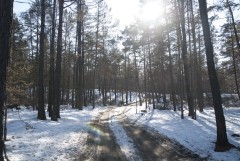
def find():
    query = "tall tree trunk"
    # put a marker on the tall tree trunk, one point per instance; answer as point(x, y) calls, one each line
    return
point(51, 70)
point(63, 77)
point(145, 78)
point(68, 74)
point(115, 86)
point(5, 34)
point(33, 61)
point(153, 86)
point(222, 143)
point(171, 74)
point(198, 80)
point(185, 63)
point(74, 90)
point(83, 68)
point(170, 62)
point(76, 81)
point(162, 72)
point(41, 110)
point(200, 88)
point(179, 38)
point(36, 60)
point(65, 64)
point(79, 103)
point(181, 91)
point(126, 79)
point(57, 80)
point(73, 84)
point(96, 55)
point(136, 87)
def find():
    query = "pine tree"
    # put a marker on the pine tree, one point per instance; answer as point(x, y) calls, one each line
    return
point(41, 110)
point(222, 143)
point(185, 63)
point(19, 70)
point(57, 78)
point(51, 70)
point(5, 34)
point(80, 59)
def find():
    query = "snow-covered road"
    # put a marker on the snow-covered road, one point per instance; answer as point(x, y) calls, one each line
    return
point(64, 140)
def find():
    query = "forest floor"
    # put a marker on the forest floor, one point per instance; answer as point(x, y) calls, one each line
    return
point(148, 145)
point(119, 133)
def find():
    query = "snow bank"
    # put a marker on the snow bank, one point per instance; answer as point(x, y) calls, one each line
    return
point(198, 135)
point(36, 140)
point(47, 140)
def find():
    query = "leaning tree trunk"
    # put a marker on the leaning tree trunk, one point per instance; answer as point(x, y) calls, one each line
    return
point(222, 143)
point(41, 110)
point(5, 28)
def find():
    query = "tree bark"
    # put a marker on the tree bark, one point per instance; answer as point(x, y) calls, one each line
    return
point(185, 63)
point(79, 102)
point(200, 92)
point(41, 110)
point(5, 34)
point(51, 70)
point(57, 80)
point(222, 143)
point(145, 78)
point(179, 38)
point(83, 68)
point(96, 55)
point(126, 78)
point(170, 62)
point(197, 69)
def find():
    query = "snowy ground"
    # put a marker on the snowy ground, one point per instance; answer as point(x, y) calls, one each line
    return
point(60, 141)
point(125, 143)
point(198, 135)
point(47, 140)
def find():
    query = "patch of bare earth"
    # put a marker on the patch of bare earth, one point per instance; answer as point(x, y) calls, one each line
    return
point(150, 145)
point(101, 144)
point(155, 147)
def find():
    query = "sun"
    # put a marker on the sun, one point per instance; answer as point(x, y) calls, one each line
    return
point(150, 11)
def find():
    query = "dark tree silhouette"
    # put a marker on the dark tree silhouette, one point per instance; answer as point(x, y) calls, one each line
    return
point(51, 70)
point(5, 28)
point(80, 59)
point(41, 111)
point(222, 143)
point(57, 80)
point(185, 63)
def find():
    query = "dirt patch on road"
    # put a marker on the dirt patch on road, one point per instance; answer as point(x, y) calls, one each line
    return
point(155, 147)
point(101, 144)
point(149, 145)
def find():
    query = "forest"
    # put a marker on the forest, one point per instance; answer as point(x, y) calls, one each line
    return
point(74, 53)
